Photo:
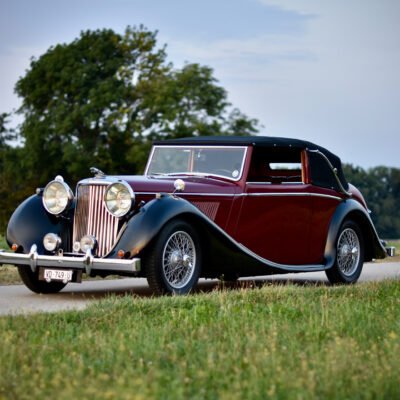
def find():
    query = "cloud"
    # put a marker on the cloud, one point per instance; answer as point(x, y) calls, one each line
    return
point(336, 82)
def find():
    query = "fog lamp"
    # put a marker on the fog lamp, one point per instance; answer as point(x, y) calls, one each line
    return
point(51, 241)
point(88, 242)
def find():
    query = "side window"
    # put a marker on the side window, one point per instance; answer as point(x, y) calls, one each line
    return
point(277, 165)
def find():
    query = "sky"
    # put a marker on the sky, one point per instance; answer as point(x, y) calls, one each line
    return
point(320, 70)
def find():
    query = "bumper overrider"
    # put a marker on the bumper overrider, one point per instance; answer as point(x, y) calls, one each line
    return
point(85, 263)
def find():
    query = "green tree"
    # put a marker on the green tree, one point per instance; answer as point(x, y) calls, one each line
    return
point(12, 187)
point(102, 98)
point(381, 189)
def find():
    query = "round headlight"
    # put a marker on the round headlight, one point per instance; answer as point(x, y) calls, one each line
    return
point(119, 198)
point(57, 197)
point(51, 241)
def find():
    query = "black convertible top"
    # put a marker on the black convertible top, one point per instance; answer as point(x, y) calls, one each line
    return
point(259, 141)
point(321, 176)
point(267, 141)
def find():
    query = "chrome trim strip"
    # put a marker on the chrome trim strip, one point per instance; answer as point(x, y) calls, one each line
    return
point(245, 148)
point(303, 268)
point(279, 184)
point(107, 180)
point(327, 196)
point(86, 262)
point(276, 194)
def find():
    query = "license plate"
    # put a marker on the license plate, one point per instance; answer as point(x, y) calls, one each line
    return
point(57, 275)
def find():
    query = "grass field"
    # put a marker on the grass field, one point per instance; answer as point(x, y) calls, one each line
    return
point(275, 342)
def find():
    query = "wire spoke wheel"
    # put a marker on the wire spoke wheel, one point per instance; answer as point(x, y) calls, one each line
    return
point(349, 257)
point(348, 252)
point(173, 262)
point(178, 259)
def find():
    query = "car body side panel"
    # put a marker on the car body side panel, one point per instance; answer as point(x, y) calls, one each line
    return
point(222, 252)
point(275, 222)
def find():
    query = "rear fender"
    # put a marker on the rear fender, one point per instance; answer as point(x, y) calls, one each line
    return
point(352, 210)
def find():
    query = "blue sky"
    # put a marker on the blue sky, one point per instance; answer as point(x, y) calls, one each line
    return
point(325, 71)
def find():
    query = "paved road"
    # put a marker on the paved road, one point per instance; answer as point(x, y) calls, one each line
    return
point(18, 299)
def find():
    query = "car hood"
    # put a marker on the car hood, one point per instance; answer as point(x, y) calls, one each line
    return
point(193, 184)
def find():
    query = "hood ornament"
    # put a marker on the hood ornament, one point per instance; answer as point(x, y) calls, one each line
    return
point(97, 172)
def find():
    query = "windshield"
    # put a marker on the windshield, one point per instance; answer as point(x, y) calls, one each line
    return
point(197, 160)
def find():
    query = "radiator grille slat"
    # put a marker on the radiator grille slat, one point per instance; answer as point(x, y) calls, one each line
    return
point(92, 218)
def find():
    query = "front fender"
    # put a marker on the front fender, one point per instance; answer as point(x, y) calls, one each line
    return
point(30, 222)
point(352, 209)
point(148, 222)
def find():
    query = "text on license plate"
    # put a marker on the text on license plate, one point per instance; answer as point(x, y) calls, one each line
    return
point(57, 275)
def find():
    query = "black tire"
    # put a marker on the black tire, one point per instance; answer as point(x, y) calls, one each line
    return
point(349, 255)
point(173, 262)
point(31, 281)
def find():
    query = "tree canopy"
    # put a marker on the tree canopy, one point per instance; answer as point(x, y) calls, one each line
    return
point(102, 98)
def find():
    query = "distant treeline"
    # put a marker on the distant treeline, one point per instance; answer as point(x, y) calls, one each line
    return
point(381, 189)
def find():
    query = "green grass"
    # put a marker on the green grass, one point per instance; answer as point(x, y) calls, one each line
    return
point(283, 342)
point(3, 243)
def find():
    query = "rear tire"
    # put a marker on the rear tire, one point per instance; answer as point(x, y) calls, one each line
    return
point(32, 282)
point(349, 255)
point(173, 262)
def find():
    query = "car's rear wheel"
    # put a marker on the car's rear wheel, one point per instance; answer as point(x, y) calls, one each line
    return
point(173, 262)
point(349, 255)
point(32, 282)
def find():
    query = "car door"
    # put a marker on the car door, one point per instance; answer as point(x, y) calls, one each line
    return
point(276, 213)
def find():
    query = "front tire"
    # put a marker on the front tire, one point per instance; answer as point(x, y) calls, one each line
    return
point(32, 282)
point(349, 255)
point(173, 262)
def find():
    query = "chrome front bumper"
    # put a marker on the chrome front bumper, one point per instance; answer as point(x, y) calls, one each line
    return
point(86, 263)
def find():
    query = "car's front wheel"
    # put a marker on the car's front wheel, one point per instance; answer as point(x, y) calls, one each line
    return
point(349, 255)
point(32, 282)
point(173, 262)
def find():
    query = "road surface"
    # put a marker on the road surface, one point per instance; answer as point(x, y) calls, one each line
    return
point(17, 299)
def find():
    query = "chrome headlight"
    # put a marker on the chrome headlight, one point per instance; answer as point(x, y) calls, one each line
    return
point(51, 241)
point(119, 198)
point(57, 196)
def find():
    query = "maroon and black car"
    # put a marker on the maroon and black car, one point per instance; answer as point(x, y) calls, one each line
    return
point(214, 207)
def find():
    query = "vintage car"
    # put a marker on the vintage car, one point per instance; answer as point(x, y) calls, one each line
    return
point(213, 207)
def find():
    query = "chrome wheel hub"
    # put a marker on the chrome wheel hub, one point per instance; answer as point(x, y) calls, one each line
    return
point(348, 249)
point(179, 259)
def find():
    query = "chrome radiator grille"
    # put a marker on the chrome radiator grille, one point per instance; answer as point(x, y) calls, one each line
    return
point(92, 218)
